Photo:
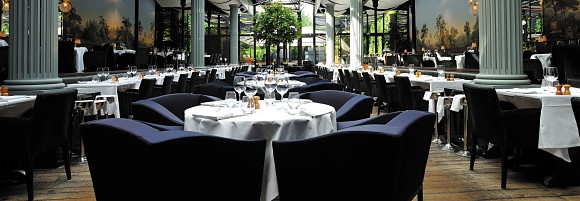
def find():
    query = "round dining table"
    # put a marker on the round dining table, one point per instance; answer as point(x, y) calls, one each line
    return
point(273, 122)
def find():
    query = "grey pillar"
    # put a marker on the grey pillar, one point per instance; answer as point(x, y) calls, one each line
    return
point(356, 31)
point(197, 33)
point(500, 25)
point(234, 34)
point(33, 60)
point(329, 34)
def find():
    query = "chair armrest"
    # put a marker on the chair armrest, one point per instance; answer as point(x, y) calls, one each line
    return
point(152, 112)
point(381, 119)
point(522, 127)
point(356, 108)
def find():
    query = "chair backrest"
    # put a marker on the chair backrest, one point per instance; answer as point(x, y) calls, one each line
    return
point(484, 112)
point(357, 82)
point(341, 77)
point(367, 81)
point(211, 77)
point(193, 81)
point(174, 103)
point(127, 59)
point(66, 57)
point(142, 56)
point(533, 68)
point(146, 88)
point(472, 60)
point(167, 82)
point(403, 84)
point(142, 163)
point(412, 59)
point(318, 86)
point(52, 114)
point(390, 60)
point(348, 106)
point(371, 162)
point(94, 59)
point(427, 63)
point(215, 88)
point(182, 82)
point(109, 54)
point(333, 98)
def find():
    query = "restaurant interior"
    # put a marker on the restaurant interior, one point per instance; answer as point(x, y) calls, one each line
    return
point(290, 100)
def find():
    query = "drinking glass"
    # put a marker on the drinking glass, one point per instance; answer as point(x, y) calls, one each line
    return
point(95, 79)
point(134, 70)
point(239, 84)
point(154, 69)
point(293, 100)
point(394, 67)
point(282, 86)
point(230, 99)
point(251, 87)
point(190, 68)
point(129, 71)
point(441, 71)
point(247, 104)
point(269, 97)
point(106, 72)
point(270, 83)
point(99, 73)
point(411, 69)
point(181, 67)
point(551, 74)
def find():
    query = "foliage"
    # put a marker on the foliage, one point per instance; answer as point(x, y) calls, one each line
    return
point(467, 30)
point(125, 33)
point(276, 25)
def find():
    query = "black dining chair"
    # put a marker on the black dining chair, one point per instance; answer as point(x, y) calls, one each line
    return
point(348, 106)
point(368, 162)
point(409, 99)
point(129, 96)
point(514, 129)
point(45, 129)
point(193, 81)
point(387, 95)
point(165, 88)
point(181, 84)
point(129, 160)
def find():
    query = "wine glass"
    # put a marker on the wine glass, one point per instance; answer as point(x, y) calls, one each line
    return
point(230, 99)
point(134, 70)
point(251, 86)
point(99, 73)
point(106, 72)
point(551, 74)
point(95, 79)
point(411, 69)
point(129, 71)
point(270, 83)
point(282, 86)
point(247, 104)
point(239, 84)
point(269, 97)
point(293, 101)
point(394, 68)
point(441, 71)
point(181, 67)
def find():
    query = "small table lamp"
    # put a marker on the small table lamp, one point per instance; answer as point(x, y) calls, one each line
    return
point(474, 45)
point(77, 42)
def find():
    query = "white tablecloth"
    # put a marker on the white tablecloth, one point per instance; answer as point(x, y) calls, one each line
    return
point(545, 59)
point(460, 61)
point(105, 88)
point(558, 130)
point(119, 52)
point(3, 43)
point(79, 63)
point(269, 123)
point(15, 106)
point(428, 82)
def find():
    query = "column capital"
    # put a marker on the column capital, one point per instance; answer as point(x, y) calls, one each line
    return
point(234, 6)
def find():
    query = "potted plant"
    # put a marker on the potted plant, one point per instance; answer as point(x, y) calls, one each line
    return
point(277, 25)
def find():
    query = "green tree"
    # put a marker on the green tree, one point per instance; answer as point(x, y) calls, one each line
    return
point(125, 33)
point(467, 30)
point(441, 26)
point(453, 32)
point(103, 30)
point(277, 25)
point(424, 33)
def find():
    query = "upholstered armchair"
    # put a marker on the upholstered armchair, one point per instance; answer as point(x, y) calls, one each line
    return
point(381, 119)
point(166, 112)
point(348, 106)
point(129, 160)
point(46, 129)
point(369, 162)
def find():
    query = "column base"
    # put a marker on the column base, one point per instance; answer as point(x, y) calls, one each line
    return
point(491, 79)
point(32, 86)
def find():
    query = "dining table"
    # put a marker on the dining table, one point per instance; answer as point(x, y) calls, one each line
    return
point(16, 105)
point(558, 128)
point(270, 122)
point(107, 88)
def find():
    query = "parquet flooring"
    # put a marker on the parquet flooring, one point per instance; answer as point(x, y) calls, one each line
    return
point(447, 178)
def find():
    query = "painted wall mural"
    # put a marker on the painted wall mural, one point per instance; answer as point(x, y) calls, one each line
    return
point(562, 19)
point(447, 23)
point(110, 21)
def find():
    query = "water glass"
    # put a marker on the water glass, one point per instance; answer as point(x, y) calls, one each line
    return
point(251, 86)
point(269, 97)
point(282, 86)
point(134, 70)
point(95, 79)
point(247, 104)
point(239, 84)
point(551, 74)
point(129, 70)
point(106, 72)
point(99, 73)
point(441, 71)
point(411, 69)
point(394, 67)
point(230, 99)
point(293, 100)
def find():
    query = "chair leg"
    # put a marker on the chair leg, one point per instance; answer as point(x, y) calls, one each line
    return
point(473, 152)
point(29, 182)
point(504, 167)
point(66, 156)
point(420, 194)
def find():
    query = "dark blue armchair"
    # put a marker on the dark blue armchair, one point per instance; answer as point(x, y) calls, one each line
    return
point(348, 106)
point(166, 112)
point(129, 160)
point(381, 119)
point(369, 162)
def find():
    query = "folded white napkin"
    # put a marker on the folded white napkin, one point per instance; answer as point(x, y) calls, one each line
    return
point(523, 91)
point(456, 104)
point(215, 113)
point(214, 103)
point(427, 95)
point(313, 110)
point(558, 129)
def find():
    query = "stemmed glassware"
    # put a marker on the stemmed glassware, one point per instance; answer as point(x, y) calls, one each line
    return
point(239, 84)
point(293, 101)
point(99, 73)
point(270, 85)
point(133, 70)
point(128, 71)
point(551, 75)
point(394, 68)
point(251, 87)
point(230, 99)
point(411, 69)
point(106, 73)
point(441, 71)
point(282, 86)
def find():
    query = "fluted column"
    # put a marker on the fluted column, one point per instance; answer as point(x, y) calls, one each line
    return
point(33, 60)
point(500, 30)
point(356, 31)
point(234, 34)
point(329, 34)
point(197, 33)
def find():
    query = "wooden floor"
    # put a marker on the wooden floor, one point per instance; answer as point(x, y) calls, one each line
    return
point(447, 178)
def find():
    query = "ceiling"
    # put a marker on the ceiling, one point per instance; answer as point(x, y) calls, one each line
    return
point(341, 6)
